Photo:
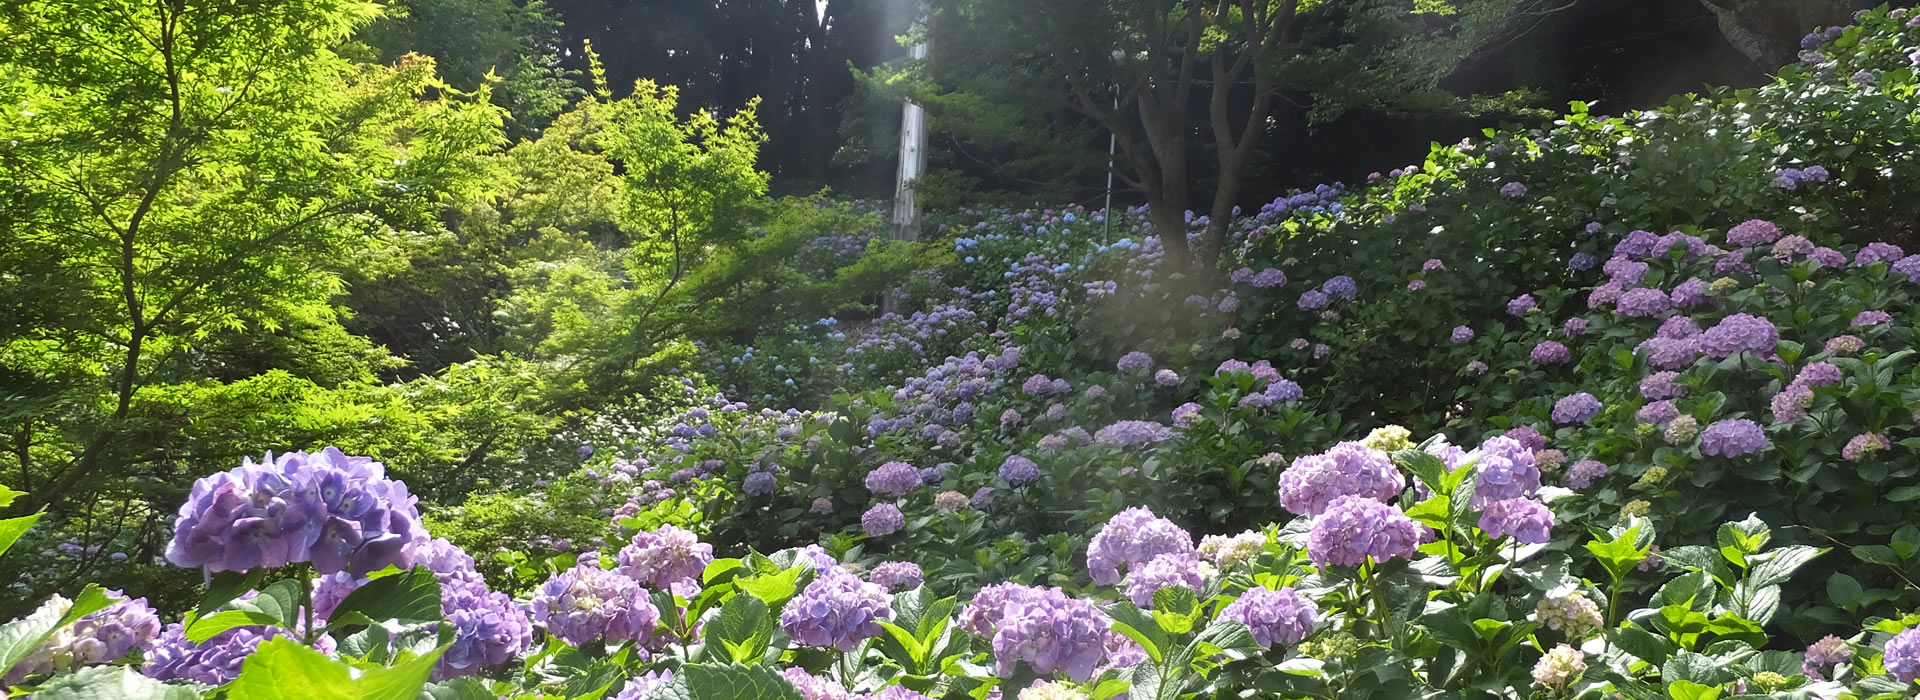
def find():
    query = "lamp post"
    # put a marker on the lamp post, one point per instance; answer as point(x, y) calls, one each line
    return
point(1106, 212)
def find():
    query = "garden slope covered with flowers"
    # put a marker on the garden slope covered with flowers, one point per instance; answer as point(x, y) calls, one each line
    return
point(1623, 407)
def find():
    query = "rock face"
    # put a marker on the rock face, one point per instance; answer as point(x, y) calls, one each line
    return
point(1769, 31)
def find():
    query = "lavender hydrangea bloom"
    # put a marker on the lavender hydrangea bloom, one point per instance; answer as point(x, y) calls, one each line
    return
point(897, 575)
point(1506, 470)
point(1166, 377)
point(1522, 304)
point(1828, 257)
point(1314, 300)
point(1863, 446)
point(1283, 390)
point(1878, 253)
point(837, 610)
point(1019, 471)
point(1528, 437)
point(1902, 655)
point(215, 661)
point(1690, 294)
point(1657, 413)
point(1282, 617)
point(1661, 385)
point(1527, 520)
point(1513, 190)
point(1462, 334)
point(1313, 482)
point(1643, 302)
point(893, 479)
point(1355, 528)
point(1845, 345)
point(1340, 287)
point(1133, 433)
point(1871, 318)
point(1818, 374)
point(1622, 271)
point(883, 519)
point(1582, 261)
point(638, 687)
point(1791, 404)
point(341, 513)
point(759, 483)
point(1574, 327)
point(1738, 333)
point(1576, 408)
point(812, 687)
point(1052, 632)
point(1754, 232)
point(1133, 537)
point(1135, 360)
point(1550, 352)
point(1732, 438)
point(1604, 295)
point(586, 603)
point(1166, 570)
point(1825, 654)
point(102, 636)
point(1908, 267)
point(1670, 353)
point(666, 557)
point(489, 629)
point(1433, 265)
point(1583, 472)
point(1269, 278)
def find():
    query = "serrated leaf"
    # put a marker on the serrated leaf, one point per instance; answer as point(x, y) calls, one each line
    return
point(744, 628)
point(1642, 644)
point(226, 586)
point(282, 669)
point(208, 627)
point(462, 688)
point(413, 596)
point(1776, 566)
point(22, 636)
point(710, 682)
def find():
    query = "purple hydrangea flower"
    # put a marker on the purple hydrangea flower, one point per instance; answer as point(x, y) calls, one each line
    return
point(1133, 433)
point(1135, 360)
point(1678, 328)
point(1049, 630)
point(1576, 408)
point(1522, 304)
point(1284, 390)
point(1433, 265)
point(1825, 654)
point(1019, 471)
point(1738, 333)
point(215, 661)
point(1314, 300)
point(882, 519)
point(1282, 617)
point(1661, 385)
point(1527, 520)
point(1462, 334)
point(1513, 190)
point(1657, 413)
point(1416, 285)
point(1643, 302)
point(1340, 287)
point(759, 483)
point(103, 636)
point(1754, 232)
point(1166, 377)
point(1670, 353)
point(666, 557)
point(341, 513)
point(1909, 267)
point(1582, 261)
point(1828, 257)
point(1732, 438)
point(1313, 482)
point(814, 687)
point(1574, 327)
point(1622, 271)
point(1878, 253)
point(897, 575)
point(893, 479)
point(1902, 655)
point(1690, 294)
point(1356, 528)
point(1863, 446)
point(1550, 352)
point(1818, 374)
point(1791, 404)
point(1133, 537)
point(489, 629)
point(1871, 318)
point(1583, 472)
point(1506, 470)
point(1166, 570)
point(586, 603)
point(638, 687)
point(1604, 295)
point(982, 498)
point(1186, 415)
point(1270, 278)
point(1845, 345)
point(837, 610)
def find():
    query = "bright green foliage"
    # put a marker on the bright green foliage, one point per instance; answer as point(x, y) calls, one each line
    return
point(184, 175)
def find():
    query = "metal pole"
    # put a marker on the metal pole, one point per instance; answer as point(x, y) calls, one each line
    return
point(1106, 214)
point(913, 162)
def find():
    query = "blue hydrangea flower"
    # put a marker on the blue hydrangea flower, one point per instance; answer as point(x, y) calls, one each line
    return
point(1019, 471)
point(1576, 408)
point(1732, 438)
point(341, 513)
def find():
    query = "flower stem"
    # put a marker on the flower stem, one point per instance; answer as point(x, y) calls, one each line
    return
point(306, 602)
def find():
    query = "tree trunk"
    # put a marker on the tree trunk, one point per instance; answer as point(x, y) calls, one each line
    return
point(1768, 31)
